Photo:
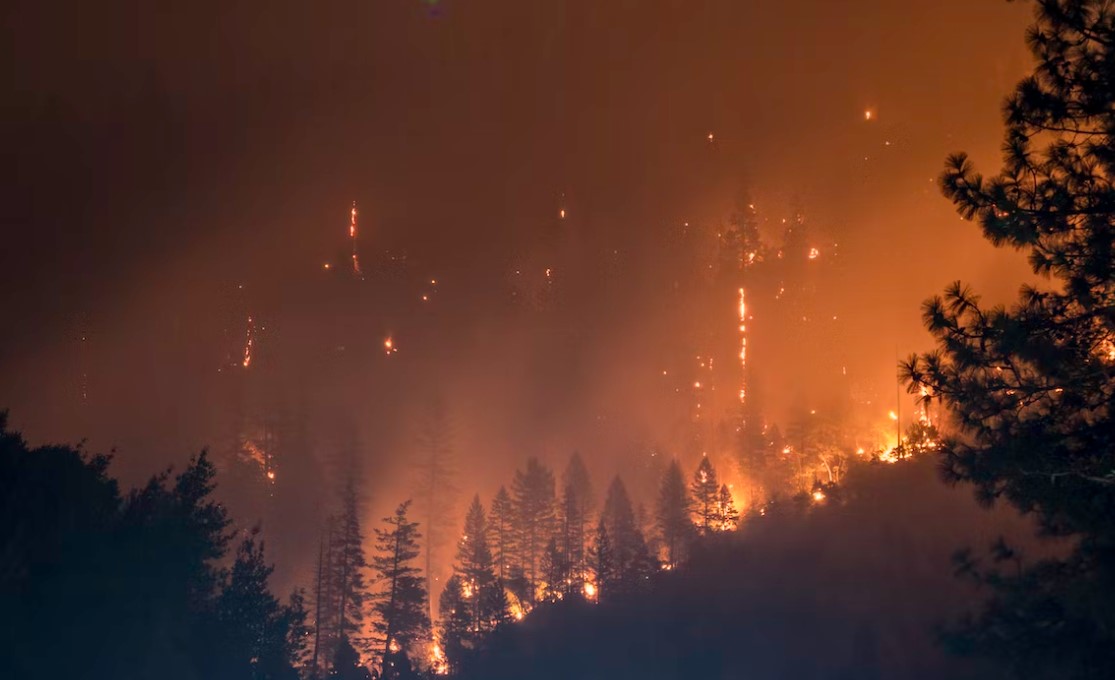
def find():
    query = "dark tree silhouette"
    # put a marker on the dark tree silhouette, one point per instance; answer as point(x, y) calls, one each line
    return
point(577, 505)
point(706, 495)
point(435, 488)
point(533, 493)
point(672, 515)
point(1030, 386)
point(502, 523)
point(630, 561)
point(401, 604)
point(80, 561)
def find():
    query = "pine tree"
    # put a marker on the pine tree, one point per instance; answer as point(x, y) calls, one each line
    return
point(533, 492)
point(347, 568)
point(577, 505)
point(400, 606)
point(435, 488)
point(503, 534)
point(602, 563)
point(455, 633)
point(572, 541)
point(706, 495)
point(672, 513)
point(555, 572)
point(631, 562)
point(727, 517)
point(474, 569)
point(1030, 386)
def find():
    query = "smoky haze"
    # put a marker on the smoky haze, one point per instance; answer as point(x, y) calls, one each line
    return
point(561, 170)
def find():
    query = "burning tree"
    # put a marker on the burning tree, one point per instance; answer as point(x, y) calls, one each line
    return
point(473, 602)
point(706, 495)
point(727, 517)
point(1030, 386)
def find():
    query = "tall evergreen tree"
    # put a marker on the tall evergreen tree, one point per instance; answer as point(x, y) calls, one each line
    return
point(347, 570)
point(402, 621)
point(533, 492)
point(252, 635)
point(482, 592)
point(672, 514)
point(727, 517)
point(555, 570)
point(631, 562)
point(577, 506)
point(503, 534)
point(706, 495)
point(1030, 386)
point(602, 562)
point(435, 487)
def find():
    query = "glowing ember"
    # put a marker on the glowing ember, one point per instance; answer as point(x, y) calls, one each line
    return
point(818, 496)
point(389, 347)
point(814, 253)
point(590, 590)
point(394, 646)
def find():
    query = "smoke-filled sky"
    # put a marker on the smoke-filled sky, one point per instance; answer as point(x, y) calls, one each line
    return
point(173, 170)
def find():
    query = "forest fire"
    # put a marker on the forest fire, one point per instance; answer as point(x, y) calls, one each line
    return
point(658, 417)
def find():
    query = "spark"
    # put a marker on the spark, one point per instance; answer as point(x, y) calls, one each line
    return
point(561, 214)
point(818, 496)
point(814, 253)
point(326, 266)
point(710, 136)
point(868, 115)
point(892, 415)
point(389, 347)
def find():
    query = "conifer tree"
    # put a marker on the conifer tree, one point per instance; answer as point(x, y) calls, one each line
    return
point(727, 517)
point(577, 506)
point(533, 492)
point(503, 534)
point(672, 514)
point(347, 570)
point(602, 562)
point(1029, 386)
point(706, 495)
point(400, 605)
point(631, 562)
point(482, 592)
point(435, 486)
